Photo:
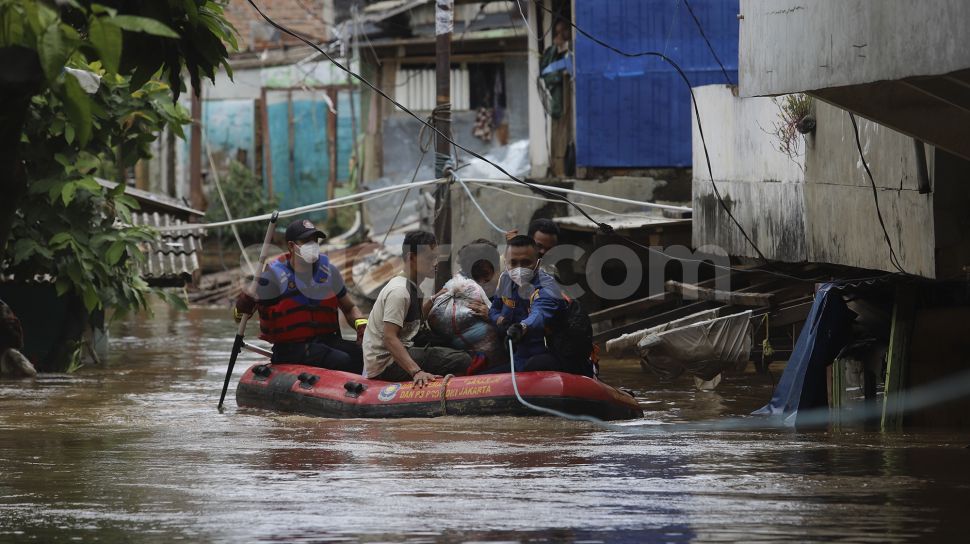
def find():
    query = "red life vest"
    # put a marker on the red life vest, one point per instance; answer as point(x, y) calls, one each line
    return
point(292, 311)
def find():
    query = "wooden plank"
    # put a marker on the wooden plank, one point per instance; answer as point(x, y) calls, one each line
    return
point(655, 320)
point(693, 292)
point(267, 150)
point(258, 136)
point(332, 144)
point(897, 358)
point(632, 307)
point(291, 138)
point(838, 397)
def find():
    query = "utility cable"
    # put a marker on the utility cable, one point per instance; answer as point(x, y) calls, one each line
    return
point(875, 197)
point(605, 228)
point(341, 201)
point(480, 210)
point(583, 204)
point(700, 28)
point(222, 196)
point(552, 189)
point(525, 19)
point(424, 147)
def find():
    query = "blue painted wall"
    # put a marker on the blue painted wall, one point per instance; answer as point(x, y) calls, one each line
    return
point(311, 160)
point(635, 112)
point(228, 126)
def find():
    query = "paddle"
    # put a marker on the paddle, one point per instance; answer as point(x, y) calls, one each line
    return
point(238, 344)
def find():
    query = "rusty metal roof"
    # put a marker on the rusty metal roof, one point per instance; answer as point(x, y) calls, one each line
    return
point(173, 259)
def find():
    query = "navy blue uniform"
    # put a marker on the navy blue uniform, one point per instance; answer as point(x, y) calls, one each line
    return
point(536, 306)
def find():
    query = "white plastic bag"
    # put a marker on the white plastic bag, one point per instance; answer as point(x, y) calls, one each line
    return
point(452, 320)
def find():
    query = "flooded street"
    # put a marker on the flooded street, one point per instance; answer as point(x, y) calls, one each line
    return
point(136, 451)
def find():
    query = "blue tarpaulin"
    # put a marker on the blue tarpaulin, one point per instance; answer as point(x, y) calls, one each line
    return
point(635, 112)
point(803, 383)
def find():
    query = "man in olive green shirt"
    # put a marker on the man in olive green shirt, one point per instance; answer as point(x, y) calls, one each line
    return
point(389, 353)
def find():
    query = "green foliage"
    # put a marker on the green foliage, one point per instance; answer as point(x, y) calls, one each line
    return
point(246, 197)
point(143, 38)
point(792, 110)
point(70, 228)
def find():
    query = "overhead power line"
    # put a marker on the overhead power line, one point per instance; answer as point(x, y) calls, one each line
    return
point(893, 259)
point(605, 228)
point(548, 191)
point(710, 47)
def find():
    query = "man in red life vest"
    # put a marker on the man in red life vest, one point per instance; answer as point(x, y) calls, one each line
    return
point(298, 296)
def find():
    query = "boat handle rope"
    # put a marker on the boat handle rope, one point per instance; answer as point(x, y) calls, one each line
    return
point(572, 417)
point(444, 394)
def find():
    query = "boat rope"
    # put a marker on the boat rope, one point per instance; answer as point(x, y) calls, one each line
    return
point(572, 417)
point(444, 394)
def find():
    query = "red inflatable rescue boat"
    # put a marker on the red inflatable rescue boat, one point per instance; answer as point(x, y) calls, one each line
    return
point(329, 393)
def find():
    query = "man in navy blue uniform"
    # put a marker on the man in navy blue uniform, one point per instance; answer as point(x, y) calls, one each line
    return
point(529, 305)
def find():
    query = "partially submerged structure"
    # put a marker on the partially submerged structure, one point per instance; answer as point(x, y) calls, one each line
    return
point(883, 193)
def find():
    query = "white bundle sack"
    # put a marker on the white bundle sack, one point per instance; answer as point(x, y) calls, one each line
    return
point(452, 320)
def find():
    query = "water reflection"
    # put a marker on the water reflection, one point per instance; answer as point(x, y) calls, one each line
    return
point(137, 451)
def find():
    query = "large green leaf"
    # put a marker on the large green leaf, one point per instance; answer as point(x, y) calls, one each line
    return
point(11, 25)
point(133, 23)
point(54, 49)
point(106, 37)
point(67, 193)
point(24, 248)
point(114, 253)
point(89, 184)
point(60, 240)
point(78, 107)
point(91, 299)
point(98, 8)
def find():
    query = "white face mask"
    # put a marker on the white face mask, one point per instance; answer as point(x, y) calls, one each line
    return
point(310, 252)
point(521, 276)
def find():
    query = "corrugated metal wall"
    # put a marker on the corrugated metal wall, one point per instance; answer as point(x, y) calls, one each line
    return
point(415, 88)
point(635, 112)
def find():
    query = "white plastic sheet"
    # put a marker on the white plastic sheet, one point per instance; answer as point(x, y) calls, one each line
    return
point(703, 349)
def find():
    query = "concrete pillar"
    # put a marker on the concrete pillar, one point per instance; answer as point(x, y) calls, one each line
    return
point(538, 144)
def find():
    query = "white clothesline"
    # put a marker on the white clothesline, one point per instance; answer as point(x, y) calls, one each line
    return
point(358, 198)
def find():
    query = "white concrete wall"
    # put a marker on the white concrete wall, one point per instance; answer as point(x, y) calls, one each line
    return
point(762, 186)
point(824, 213)
point(791, 46)
point(842, 220)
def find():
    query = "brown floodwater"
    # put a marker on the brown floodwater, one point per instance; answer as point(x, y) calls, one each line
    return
point(136, 451)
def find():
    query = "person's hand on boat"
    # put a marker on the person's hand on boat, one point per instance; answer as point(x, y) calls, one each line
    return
point(245, 305)
point(516, 331)
point(479, 309)
point(422, 378)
